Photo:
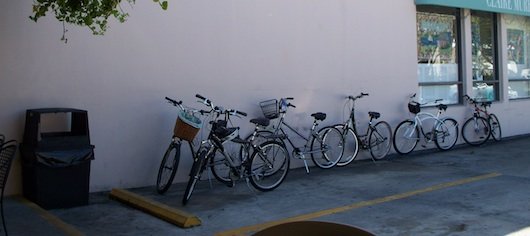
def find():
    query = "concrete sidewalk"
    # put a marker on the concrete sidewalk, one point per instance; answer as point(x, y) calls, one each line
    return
point(465, 191)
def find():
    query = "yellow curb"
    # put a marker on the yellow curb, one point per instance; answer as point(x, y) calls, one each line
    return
point(164, 212)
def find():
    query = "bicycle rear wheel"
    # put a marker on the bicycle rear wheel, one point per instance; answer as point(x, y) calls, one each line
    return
point(495, 127)
point(195, 175)
point(331, 146)
point(351, 145)
point(269, 165)
point(168, 168)
point(406, 137)
point(380, 140)
point(476, 131)
point(446, 134)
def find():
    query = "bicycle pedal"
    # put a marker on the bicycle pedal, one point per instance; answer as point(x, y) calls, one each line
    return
point(231, 184)
point(428, 135)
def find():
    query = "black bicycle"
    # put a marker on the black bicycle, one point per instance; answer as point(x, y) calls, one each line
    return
point(482, 125)
point(377, 138)
point(266, 168)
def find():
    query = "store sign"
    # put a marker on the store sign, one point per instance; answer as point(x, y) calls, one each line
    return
point(516, 7)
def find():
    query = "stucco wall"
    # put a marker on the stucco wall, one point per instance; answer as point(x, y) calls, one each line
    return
point(235, 52)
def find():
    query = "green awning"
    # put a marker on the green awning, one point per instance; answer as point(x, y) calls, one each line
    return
point(516, 7)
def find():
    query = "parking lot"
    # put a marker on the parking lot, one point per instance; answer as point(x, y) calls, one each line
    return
point(465, 191)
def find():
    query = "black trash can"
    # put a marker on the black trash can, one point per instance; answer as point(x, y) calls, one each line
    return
point(56, 154)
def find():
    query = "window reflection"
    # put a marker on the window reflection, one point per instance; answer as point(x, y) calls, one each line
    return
point(483, 39)
point(438, 54)
point(518, 64)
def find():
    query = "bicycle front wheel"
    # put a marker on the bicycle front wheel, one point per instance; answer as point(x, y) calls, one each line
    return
point(168, 168)
point(331, 146)
point(495, 127)
point(380, 140)
point(220, 167)
point(446, 134)
point(476, 131)
point(351, 145)
point(406, 137)
point(269, 165)
point(195, 175)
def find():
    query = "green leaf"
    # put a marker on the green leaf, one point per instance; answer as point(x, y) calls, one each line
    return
point(164, 5)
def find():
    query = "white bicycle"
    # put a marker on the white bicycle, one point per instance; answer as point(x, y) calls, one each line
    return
point(444, 131)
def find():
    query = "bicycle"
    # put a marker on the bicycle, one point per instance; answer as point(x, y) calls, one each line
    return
point(444, 131)
point(186, 127)
point(376, 139)
point(477, 129)
point(266, 168)
point(324, 146)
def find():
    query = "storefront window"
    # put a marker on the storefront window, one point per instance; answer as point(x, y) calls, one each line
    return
point(518, 58)
point(483, 43)
point(438, 54)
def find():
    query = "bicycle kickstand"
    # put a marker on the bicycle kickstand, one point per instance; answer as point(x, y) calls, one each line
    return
point(306, 166)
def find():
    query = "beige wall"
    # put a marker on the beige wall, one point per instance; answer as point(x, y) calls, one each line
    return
point(235, 52)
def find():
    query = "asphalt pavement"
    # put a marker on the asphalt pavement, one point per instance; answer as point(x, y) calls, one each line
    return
point(465, 191)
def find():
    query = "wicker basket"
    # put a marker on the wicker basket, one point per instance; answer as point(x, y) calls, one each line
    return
point(414, 107)
point(187, 126)
point(270, 108)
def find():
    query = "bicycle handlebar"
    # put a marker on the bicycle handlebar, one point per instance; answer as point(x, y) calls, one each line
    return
point(283, 102)
point(186, 109)
point(358, 96)
point(205, 101)
point(411, 99)
point(218, 109)
point(236, 112)
point(175, 103)
point(475, 102)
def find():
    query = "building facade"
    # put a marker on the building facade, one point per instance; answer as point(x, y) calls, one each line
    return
point(239, 53)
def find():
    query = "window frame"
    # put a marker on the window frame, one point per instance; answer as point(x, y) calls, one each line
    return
point(509, 80)
point(498, 61)
point(457, 13)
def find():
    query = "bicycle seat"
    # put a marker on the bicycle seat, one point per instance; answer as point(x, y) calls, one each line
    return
point(374, 114)
point(486, 104)
point(442, 107)
point(319, 116)
point(261, 121)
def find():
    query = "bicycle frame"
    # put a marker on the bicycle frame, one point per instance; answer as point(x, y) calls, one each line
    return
point(299, 152)
point(351, 123)
point(312, 133)
point(424, 116)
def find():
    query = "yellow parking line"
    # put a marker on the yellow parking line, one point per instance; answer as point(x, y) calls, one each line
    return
point(253, 228)
point(66, 228)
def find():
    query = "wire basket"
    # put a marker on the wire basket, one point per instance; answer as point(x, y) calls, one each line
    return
point(187, 126)
point(414, 107)
point(270, 108)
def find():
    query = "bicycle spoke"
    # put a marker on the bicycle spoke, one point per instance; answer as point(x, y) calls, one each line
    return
point(269, 166)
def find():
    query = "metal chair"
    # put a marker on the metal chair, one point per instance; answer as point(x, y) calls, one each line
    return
point(7, 154)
